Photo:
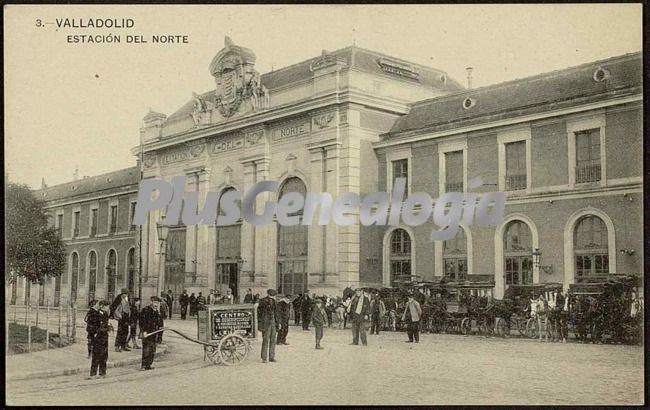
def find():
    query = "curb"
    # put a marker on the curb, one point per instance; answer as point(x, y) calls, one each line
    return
point(76, 370)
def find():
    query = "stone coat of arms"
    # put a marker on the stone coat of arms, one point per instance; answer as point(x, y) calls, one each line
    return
point(233, 69)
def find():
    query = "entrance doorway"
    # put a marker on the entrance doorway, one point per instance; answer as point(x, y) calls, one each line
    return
point(175, 264)
point(227, 277)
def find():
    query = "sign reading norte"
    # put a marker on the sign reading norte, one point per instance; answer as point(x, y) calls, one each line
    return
point(377, 208)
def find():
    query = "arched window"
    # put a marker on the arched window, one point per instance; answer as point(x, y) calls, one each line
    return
point(74, 277)
point(130, 270)
point(111, 269)
point(400, 255)
point(227, 275)
point(455, 256)
point(590, 247)
point(518, 248)
point(292, 247)
point(92, 275)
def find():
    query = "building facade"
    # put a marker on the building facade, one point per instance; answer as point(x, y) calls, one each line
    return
point(94, 218)
point(310, 127)
point(566, 147)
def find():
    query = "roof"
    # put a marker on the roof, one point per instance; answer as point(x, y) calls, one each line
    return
point(543, 92)
point(99, 183)
point(353, 56)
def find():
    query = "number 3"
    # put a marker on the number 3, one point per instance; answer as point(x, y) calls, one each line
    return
point(39, 23)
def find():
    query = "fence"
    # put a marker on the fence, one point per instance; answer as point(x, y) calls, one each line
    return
point(52, 319)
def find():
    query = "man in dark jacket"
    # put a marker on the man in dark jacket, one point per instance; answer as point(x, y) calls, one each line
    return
point(358, 312)
point(150, 321)
point(133, 322)
point(284, 307)
point(193, 304)
point(97, 328)
point(318, 318)
point(377, 312)
point(169, 298)
point(249, 296)
point(267, 324)
point(305, 310)
point(184, 300)
point(296, 309)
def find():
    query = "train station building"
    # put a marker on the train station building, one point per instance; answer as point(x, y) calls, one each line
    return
point(566, 148)
point(310, 127)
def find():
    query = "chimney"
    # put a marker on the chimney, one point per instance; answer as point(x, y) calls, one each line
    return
point(75, 176)
point(469, 76)
point(43, 184)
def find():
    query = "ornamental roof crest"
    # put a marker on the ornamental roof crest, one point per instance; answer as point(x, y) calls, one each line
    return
point(233, 69)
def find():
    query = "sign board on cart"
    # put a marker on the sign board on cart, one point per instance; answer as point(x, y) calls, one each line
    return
point(217, 321)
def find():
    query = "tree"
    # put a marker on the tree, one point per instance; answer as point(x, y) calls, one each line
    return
point(32, 248)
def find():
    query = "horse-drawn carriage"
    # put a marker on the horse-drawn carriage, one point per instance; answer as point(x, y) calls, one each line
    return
point(515, 310)
point(607, 308)
point(456, 307)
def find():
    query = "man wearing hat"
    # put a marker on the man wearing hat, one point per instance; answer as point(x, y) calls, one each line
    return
point(267, 324)
point(412, 314)
point(150, 321)
point(284, 308)
point(97, 328)
point(358, 311)
point(318, 318)
point(121, 311)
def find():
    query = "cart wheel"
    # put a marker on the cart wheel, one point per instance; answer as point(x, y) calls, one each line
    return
point(500, 327)
point(531, 328)
point(466, 326)
point(521, 326)
point(211, 353)
point(233, 349)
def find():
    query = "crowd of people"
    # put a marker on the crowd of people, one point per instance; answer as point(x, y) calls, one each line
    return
point(359, 308)
point(133, 323)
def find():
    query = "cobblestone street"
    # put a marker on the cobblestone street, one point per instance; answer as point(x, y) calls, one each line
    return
point(441, 369)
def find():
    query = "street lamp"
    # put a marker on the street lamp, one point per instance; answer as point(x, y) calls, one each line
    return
point(163, 232)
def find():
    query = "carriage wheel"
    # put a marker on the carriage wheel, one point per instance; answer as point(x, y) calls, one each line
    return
point(233, 349)
point(500, 327)
point(466, 326)
point(211, 353)
point(531, 328)
point(521, 326)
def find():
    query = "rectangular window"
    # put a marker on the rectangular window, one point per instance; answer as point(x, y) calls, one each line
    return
point(588, 165)
point(454, 171)
point(93, 221)
point(113, 227)
point(229, 242)
point(75, 227)
point(401, 170)
point(515, 165)
point(59, 224)
point(132, 216)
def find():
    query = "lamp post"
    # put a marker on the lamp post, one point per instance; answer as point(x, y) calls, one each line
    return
point(163, 232)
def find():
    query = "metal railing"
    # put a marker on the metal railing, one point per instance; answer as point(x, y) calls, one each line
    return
point(52, 319)
point(454, 187)
point(588, 173)
point(515, 182)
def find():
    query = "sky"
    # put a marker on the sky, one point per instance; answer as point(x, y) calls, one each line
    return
point(69, 105)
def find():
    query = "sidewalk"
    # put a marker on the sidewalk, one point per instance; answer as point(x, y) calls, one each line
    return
point(67, 360)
